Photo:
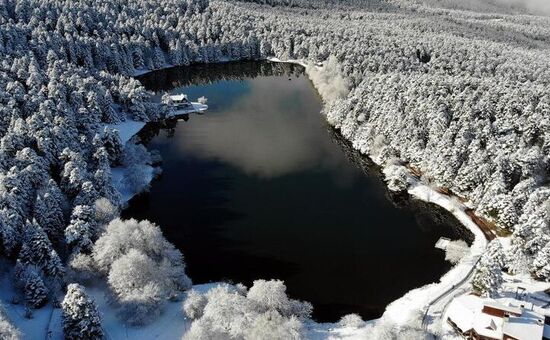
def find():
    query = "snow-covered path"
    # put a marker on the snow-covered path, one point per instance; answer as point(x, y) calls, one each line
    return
point(433, 299)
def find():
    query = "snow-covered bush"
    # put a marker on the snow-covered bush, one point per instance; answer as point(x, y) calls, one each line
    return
point(273, 326)
point(194, 304)
point(81, 319)
point(105, 211)
point(456, 250)
point(143, 269)
point(226, 312)
point(397, 177)
point(351, 320)
point(135, 153)
point(271, 295)
point(329, 80)
point(140, 286)
point(137, 177)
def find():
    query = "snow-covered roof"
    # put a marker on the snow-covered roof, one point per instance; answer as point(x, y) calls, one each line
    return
point(523, 328)
point(502, 307)
point(178, 97)
point(488, 325)
point(466, 312)
point(462, 311)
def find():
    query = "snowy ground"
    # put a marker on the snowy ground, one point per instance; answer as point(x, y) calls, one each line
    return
point(36, 327)
point(288, 61)
point(127, 129)
point(172, 323)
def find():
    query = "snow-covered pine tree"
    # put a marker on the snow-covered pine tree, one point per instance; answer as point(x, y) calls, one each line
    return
point(48, 211)
point(110, 140)
point(80, 232)
point(29, 280)
point(541, 264)
point(37, 250)
point(81, 318)
point(488, 272)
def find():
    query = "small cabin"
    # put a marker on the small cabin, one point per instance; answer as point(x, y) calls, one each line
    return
point(180, 101)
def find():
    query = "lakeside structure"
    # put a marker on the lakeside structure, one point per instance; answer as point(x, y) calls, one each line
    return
point(475, 317)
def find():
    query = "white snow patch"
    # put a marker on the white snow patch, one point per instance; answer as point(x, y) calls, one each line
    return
point(288, 61)
point(127, 129)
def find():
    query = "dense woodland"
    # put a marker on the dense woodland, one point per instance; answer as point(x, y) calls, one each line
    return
point(462, 96)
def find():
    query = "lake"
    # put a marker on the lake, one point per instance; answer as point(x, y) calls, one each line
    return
point(259, 186)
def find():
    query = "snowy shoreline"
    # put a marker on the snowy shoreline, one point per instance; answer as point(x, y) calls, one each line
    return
point(403, 309)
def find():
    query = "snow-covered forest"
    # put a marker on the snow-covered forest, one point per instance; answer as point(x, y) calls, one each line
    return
point(460, 92)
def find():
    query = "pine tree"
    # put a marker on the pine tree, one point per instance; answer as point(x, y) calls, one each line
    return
point(488, 273)
point(48, 211)
point(29, 280)
point(80, 232)
point(37, 250)
point(541, 264)
point(81, 318)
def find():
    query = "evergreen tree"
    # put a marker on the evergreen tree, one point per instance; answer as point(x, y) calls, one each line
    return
point(37, 250)
point(488, 273)
point(29, 279)
point(81, 318)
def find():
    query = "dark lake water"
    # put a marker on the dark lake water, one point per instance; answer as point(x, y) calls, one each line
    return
point(260, 187)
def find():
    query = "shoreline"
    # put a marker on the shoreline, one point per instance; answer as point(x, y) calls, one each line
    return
point(402, 309)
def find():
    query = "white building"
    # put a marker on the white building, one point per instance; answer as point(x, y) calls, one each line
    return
point(474, 317)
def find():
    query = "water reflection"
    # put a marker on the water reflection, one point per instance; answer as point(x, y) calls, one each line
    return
point(265, 133)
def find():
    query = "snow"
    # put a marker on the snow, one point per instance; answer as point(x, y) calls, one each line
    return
point(402, 310)
point(289, 61)
point(467, 313)
point(523, 328)
point(170, 325)
point(533, 300)
point(34, 328)
point(178, 97)
point(437, 296)
point(127, 129)
point(442, 243)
